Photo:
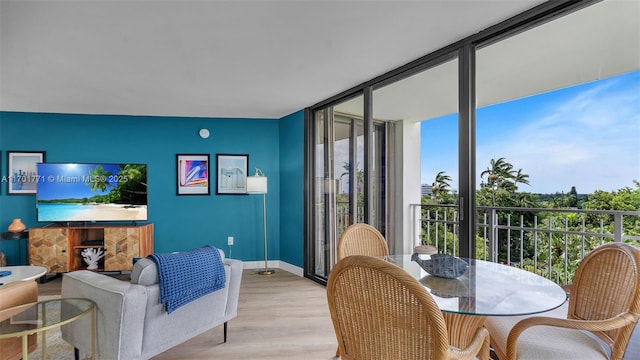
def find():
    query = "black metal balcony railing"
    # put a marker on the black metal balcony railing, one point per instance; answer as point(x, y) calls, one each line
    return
point(550, 242)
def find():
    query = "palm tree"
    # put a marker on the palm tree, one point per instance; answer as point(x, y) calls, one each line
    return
point(500, 175)
point(497, 173)
point(440, 185)
point(520, 177)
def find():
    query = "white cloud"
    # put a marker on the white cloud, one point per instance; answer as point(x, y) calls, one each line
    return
point(591, 141)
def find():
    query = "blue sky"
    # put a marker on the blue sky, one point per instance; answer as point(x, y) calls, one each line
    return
point(587, 136)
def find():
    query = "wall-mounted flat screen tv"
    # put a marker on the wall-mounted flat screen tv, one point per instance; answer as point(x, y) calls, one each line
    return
point(69, 192)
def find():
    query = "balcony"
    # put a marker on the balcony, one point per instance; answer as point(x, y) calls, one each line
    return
point(549, 242)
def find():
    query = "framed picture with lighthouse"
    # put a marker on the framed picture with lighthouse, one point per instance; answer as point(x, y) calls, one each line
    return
point(231, 174)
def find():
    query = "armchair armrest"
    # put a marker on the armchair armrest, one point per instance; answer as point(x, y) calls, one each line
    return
point(14, 294)
point(119, 313)
point(595, 326)
point(18, 293)
point(234, 286)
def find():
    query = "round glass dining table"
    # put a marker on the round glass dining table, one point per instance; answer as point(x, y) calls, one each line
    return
point(487, 289)
point(484, 289)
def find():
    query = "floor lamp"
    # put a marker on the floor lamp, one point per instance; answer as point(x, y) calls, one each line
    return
point(257, 184)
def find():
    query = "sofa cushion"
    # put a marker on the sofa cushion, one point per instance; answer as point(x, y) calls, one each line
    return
point(145, 271)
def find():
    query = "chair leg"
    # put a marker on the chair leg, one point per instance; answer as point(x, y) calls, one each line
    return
point(76, 353)
point(225, 331)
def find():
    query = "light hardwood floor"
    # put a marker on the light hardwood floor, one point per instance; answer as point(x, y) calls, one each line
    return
point(280, 316)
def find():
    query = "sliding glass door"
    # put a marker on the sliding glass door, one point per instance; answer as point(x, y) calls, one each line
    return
point(344, 180)
point(428, 152)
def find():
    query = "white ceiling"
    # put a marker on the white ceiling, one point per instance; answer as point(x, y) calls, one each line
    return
point(594, 43)
point(255, 59)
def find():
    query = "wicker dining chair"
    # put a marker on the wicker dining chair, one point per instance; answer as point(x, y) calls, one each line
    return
point(362, 239)
point(603, 309)
point(380, 312)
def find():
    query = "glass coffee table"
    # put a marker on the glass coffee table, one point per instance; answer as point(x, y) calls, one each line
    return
point(33, 318)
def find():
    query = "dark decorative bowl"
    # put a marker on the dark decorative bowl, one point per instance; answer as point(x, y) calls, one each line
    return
point(442, 265)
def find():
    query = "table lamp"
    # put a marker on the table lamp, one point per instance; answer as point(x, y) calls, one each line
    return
point(257, 184)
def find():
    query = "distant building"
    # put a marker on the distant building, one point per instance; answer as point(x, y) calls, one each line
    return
point(425, 189)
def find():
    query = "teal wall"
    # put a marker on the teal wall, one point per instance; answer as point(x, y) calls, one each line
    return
point(292, 188)
point(181, 222)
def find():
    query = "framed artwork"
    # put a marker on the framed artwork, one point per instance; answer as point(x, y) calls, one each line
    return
point(22, 176)
point(231, 174)
point(193, 174)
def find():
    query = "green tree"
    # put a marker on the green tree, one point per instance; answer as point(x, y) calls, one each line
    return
point(625, 199)
point(572, 200)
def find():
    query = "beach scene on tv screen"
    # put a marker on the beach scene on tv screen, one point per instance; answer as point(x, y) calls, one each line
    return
point(92, 192)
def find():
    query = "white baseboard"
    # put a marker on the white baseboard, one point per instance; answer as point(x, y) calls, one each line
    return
point(274, 264)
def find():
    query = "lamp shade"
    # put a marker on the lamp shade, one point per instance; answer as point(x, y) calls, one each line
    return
point(256, 184)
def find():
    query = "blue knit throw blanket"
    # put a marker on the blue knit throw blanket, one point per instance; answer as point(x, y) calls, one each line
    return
point(187, 276)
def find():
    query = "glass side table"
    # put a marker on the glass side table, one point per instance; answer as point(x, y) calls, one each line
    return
point(33, 318)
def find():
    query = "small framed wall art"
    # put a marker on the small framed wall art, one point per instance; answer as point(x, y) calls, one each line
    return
point(193, 174)
point(231, 174)
point(22, 176)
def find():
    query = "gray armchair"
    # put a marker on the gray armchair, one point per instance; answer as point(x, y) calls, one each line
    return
point(133, 324)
